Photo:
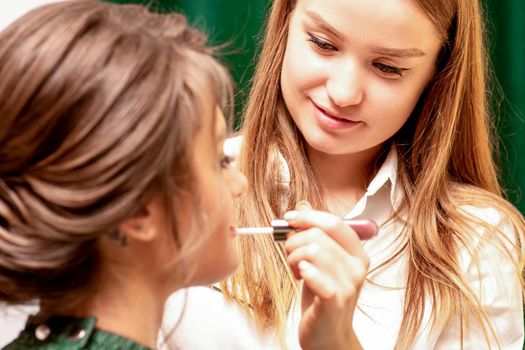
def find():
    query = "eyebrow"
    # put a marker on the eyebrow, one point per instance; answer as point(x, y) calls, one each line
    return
point(322, 23)
point(412, 52)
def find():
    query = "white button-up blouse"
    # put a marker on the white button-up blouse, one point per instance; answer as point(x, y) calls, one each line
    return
point(209, 322)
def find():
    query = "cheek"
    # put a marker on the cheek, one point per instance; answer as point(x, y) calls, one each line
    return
point(391, 104)
point(218, 206)
point(302, 68)
point(218, 257)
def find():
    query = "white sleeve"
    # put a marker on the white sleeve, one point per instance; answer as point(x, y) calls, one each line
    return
point(200, 318)
point(499, 290)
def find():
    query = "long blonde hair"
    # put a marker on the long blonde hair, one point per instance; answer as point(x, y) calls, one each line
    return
point(435, 183)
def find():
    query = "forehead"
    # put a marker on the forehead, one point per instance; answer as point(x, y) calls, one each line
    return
point(393, 23)
point(220, 127)
point(213, 126)
point(211, 117)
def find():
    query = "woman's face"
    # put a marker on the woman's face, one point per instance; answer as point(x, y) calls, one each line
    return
point(353, 70)
point(219, 184)
point(206, 233)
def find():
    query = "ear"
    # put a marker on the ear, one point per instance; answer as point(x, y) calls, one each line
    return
point(140, 227)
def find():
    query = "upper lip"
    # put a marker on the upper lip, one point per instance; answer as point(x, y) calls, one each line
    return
point(334, 114)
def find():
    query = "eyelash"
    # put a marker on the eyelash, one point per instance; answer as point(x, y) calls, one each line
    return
point(321, 44)
point(389, 70)
point(226, 161)
point(385, 69)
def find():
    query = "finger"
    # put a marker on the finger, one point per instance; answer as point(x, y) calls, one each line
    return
point(326, 256)
point(338, 265)
point(303, 205)
point(317, 236)
point(312, 253)
point(316, 281)
point(331, 225)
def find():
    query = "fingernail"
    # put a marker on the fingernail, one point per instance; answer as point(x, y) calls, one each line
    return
point(290, 215)
point(305, 266)
point(303, 205)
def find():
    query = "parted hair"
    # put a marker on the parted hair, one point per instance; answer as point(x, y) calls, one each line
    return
point(98, 107)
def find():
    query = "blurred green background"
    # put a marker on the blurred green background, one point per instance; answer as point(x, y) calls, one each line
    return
point(239, 22)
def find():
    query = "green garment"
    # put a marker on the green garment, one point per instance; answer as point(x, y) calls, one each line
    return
point(68, 333)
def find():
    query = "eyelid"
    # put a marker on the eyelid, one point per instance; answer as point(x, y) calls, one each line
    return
point(397, 72)
point(320, 42)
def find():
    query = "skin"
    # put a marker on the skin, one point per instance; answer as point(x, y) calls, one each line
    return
point(355, 75)
point(352, 73)
point(140, 275)
point(220, 183)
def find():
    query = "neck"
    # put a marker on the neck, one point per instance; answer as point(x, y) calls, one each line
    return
point(343, 178)
point(125, 304)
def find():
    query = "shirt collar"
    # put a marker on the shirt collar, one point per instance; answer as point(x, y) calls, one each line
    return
point(383, 189)
point(383, 193)
point(384, 180)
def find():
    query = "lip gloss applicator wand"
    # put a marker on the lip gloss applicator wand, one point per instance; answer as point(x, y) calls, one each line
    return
point(280, 229)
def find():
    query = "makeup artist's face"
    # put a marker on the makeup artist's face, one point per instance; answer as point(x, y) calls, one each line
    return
point(219, 184)
point(353, 70)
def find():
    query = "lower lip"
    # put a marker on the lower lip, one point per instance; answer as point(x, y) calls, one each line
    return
point(332, 123)
point(232, 231)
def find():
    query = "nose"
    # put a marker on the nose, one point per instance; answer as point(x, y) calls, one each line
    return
point(238, 183)
point(344, 86)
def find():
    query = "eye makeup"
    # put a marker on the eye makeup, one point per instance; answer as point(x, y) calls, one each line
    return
point(365, 229)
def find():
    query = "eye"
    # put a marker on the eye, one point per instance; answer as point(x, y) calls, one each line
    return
point(389, 71)
point(321, 44)
point(226, 161)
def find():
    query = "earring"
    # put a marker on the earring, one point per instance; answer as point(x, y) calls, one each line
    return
point(118, 236)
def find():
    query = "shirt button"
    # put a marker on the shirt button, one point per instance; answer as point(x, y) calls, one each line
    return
point(42, 331)
point(78, 334)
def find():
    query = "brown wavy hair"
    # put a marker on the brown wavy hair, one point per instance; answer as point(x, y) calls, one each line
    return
point(445, 153)
point(98, 107)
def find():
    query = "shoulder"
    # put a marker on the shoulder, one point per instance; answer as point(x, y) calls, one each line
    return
point(490, 238)
point(492, 228)
point(490, 235)
point(69, 333)
point(489, 229)
point(487, 212)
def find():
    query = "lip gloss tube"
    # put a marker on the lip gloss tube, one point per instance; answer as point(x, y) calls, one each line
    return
point(365, 229)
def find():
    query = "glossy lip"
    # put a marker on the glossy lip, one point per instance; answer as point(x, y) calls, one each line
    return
point(330, 121)
point(233, 231)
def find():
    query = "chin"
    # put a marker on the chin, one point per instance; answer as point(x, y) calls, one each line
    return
point(326, 146)
point(212, 273)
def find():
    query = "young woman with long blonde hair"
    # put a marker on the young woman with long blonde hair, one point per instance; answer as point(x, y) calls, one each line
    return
point(379, 109)
point(371, 109)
